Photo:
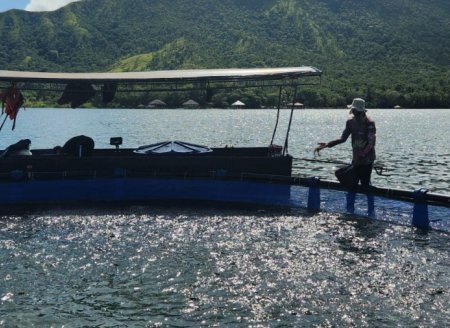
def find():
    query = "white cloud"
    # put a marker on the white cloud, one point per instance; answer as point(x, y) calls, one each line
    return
point(47, 5)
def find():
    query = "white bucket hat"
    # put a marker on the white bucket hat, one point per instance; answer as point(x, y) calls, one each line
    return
point(358, 105)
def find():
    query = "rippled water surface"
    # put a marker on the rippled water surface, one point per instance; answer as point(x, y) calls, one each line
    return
point(213, 266)
point(185, 267)
point(412, 143)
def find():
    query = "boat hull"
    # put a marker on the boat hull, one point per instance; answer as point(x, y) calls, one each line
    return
point(109, 175)
point(144, 190)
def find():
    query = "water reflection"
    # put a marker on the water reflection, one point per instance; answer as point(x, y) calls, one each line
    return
point(208, 266)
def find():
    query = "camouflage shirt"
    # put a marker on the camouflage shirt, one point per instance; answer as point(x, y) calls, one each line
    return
point(363, 140)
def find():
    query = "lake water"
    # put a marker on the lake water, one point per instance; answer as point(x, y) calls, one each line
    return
point(412, 144)
point(188, 266)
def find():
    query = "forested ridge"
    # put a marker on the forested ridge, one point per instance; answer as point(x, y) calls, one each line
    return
point(390, 52)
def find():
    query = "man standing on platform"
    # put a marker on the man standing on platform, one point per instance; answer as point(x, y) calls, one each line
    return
point(363, 131)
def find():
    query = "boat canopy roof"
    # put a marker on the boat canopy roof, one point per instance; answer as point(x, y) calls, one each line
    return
point(168, 76)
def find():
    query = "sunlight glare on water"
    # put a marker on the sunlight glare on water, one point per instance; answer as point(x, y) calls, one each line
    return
point(185, 266)
point(189, 267)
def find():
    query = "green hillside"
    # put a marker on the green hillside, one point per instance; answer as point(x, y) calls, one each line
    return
point(390, 52)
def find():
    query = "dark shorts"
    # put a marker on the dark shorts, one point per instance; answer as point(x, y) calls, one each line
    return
point(363, 173)
point(351, 175)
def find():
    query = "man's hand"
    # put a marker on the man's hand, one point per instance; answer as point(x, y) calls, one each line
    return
point(322, 145)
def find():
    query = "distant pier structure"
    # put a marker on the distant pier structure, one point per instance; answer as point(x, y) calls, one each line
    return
point(191, 104)
point(237, 105)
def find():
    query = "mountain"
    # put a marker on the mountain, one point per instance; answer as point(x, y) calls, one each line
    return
point(390, 52)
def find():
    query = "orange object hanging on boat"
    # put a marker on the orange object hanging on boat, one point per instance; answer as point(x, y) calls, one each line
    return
point(12, 99)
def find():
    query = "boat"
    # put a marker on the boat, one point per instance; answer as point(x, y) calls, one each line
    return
point(174, 171)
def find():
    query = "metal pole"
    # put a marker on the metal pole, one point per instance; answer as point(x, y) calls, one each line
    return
point(286, 142)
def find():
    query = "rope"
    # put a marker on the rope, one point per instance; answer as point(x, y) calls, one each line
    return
point(379, 169)
point(278, 116)
point(286, 142)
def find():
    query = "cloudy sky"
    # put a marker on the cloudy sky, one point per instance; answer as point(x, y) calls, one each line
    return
point(33, 5)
